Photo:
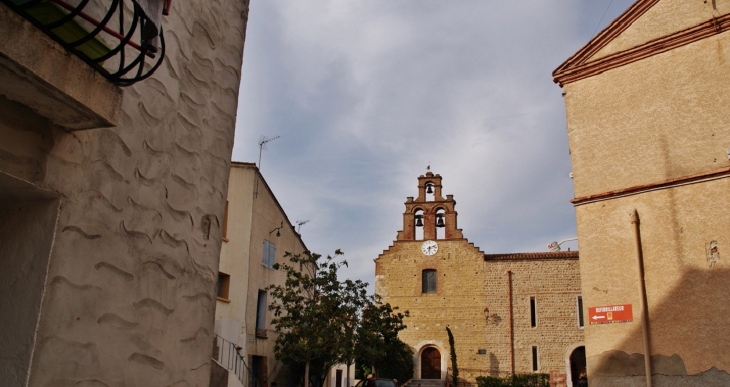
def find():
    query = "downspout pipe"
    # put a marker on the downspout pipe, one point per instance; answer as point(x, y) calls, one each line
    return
point(642, 299)
point(511, 324)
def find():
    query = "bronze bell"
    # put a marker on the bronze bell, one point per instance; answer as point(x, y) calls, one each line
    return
point(439, 220)
point(419, 220)
point(429, 188)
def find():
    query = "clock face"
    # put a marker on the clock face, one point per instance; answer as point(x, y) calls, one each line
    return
point(429, 247)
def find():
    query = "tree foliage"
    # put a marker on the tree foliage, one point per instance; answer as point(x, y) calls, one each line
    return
point(378, 345)
point(317, 316)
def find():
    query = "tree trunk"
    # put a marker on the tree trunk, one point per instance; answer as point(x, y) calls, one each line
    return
point(306, 374)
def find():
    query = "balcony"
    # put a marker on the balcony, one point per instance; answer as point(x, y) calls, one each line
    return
point(118, 39)
point(53, 53)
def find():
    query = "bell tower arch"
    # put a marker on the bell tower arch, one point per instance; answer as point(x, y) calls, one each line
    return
point(430, 210)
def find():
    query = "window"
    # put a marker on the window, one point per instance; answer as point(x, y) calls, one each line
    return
point(580, 311)
point(224, 230)
point(261, 315)
point(221, 287)
point(533, 312)
point(269, 255)
point(535, 366)
point(428, 281)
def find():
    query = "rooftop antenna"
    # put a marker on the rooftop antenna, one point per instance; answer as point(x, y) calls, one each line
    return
point(262, 145)
point(299, 224)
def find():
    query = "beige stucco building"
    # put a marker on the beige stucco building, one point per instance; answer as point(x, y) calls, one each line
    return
point(111, 198)
point(257, 235)
point(649, 133)
point(509, 313)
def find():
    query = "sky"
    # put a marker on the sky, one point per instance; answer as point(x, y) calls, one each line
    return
point(365, 94)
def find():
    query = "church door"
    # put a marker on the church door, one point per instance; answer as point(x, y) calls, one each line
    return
point(577, 364)
point(430, 364)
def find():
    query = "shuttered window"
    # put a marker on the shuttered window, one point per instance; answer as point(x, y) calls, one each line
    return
point(269, 255)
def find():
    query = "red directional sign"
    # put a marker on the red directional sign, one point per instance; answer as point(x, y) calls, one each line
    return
point(610, 314)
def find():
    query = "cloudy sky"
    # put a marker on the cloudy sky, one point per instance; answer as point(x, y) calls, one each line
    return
point(366, 93)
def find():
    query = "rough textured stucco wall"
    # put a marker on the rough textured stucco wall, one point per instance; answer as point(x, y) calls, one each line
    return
point(664, 18)
point(660, 118)
point(665, 114)
point(130, 292)
point(685, 295)
point(26, 235)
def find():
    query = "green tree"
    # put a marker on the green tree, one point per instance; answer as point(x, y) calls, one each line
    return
point(378, 345)
point(314, 312)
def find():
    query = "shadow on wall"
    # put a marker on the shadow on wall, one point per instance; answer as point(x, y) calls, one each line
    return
point(689, 325)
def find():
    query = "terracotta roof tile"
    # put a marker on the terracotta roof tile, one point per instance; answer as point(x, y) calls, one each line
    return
point(541, 255)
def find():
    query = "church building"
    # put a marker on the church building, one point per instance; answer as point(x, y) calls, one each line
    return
point(510, 313)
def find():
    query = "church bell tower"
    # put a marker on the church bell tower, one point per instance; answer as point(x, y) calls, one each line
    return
point(431, 211)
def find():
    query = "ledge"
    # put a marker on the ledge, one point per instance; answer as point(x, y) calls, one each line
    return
point(38, 73)
point(223, 299)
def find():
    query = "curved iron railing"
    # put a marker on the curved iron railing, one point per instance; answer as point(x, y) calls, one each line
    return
point(115, 41)
point(226, 353)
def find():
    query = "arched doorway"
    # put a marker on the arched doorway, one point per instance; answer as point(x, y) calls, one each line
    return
point(577, 364)
point(430, 363)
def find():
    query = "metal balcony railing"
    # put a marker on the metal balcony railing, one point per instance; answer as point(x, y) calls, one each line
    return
point(115, 37)
point(227, 355)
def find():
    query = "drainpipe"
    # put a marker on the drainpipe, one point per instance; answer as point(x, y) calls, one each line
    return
point(642, 299)
point(511, 324)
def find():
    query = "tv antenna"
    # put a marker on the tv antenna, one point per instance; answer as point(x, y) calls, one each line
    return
point(262, 145)
point(300, 223)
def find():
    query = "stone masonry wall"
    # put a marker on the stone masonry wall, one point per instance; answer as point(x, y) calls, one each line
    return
point(466, 285)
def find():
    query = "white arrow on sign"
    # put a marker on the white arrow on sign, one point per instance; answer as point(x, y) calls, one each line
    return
point(597, 317)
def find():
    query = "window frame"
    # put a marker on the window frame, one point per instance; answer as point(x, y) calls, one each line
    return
point(222, 287)
point(581, 317)
point(224, 229)
point(268, 258)
point(533, 312)
point(261, 307)
point(426, 284)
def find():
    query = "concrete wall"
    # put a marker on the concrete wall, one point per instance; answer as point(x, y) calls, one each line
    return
point(642, 124)
point(27, 224)
point(267, 215)
point(254, 215)
point(235, 257)
point(129, 298)
point(661, 113)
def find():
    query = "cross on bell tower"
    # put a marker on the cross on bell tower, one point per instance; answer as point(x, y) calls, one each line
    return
point(429, 214)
